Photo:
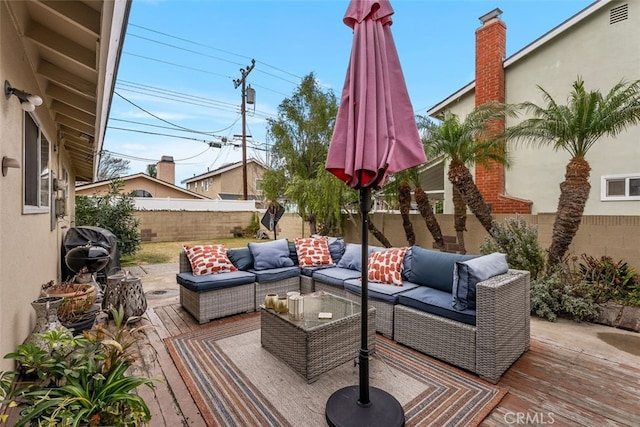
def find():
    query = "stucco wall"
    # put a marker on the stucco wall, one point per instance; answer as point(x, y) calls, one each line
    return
point(602, 54)
point(29, 249)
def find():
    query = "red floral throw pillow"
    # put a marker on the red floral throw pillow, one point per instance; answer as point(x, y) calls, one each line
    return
point(386, 266)
point(313, 251)
point(209, 259)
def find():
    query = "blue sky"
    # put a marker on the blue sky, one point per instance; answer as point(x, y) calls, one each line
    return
point(180, 59)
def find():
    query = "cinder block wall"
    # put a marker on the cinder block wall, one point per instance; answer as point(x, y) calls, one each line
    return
point(171, 226)
point(614, 236)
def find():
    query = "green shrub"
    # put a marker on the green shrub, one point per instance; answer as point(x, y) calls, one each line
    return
point(519, 241)
point(559, 294)
point(610, 280)
point(114, 212)
point(81, 380)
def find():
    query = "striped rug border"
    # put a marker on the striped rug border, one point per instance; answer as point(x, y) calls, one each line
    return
point(225, 396)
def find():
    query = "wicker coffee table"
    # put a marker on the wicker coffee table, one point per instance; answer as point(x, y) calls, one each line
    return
point(312, 346)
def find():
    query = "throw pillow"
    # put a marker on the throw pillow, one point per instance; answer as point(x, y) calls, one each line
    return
point(313, 252)
point(352, 257)
point(336, 247)
point(386, 266)
point(467, 274)
point(269, 255)
point(241, 258)
point(208, 259)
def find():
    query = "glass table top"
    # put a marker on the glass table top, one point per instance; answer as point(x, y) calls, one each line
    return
point(320, 302)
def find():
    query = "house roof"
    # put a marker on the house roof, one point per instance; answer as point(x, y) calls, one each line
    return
point(143, 176)
point(74, 49)
point(222, 169)
point(524, 52)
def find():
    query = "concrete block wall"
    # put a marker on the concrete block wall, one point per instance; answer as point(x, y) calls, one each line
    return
point(614, 236)
point(598, 235)
point(172, 226)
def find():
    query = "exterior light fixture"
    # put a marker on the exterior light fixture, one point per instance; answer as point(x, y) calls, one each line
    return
point(8, 162)
point(28, 102)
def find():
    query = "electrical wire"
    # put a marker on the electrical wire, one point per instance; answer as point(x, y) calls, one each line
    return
point(218, 49)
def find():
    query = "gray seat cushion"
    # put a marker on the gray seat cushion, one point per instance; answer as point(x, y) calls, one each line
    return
point(436, 302)
point(379, 291)
point(208, 282)
point(335, 275)
point(275, 274)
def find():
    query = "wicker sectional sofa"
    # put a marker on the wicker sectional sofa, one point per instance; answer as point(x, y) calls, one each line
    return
point(483, 330)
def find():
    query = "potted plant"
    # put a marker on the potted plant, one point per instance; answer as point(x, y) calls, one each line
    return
point(81, 380)
point(78, 310)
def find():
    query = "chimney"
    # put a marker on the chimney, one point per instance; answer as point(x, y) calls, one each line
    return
point(491, 50)
point(166, 170)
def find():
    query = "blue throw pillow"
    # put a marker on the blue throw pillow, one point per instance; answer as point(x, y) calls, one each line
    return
point(467, 274)
point(352, 257)
point(241, 258)
point(434, 268)
point(270, 255)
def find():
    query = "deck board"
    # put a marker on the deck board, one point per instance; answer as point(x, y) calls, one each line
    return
point(549, 384)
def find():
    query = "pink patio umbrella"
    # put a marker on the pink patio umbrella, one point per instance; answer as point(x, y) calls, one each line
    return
point(375, 135)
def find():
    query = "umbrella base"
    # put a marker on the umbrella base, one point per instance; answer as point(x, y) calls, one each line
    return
point(343, 409)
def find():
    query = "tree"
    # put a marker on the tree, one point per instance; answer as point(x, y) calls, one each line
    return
point(465, 143)
point(575, 128)
point(111, 167)
point(302, 134)
point(113, 211)
point(152, 170)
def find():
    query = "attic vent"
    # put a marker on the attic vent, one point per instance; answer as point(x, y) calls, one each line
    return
point(618, 14)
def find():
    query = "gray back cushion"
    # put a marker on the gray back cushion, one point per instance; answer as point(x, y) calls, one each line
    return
point(434, 268)
point(241, 258)
point(268, 255)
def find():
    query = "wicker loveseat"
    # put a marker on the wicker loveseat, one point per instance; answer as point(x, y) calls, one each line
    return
point(483, 332)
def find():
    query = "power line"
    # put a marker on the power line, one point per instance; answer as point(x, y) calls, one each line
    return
point(217, 49)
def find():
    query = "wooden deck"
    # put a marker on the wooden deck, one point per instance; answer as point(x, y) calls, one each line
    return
point(549, 385)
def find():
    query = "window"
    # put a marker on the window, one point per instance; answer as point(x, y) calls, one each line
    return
point(205, 184)
point(620, 187)
point(36, 168)
point(141, 193)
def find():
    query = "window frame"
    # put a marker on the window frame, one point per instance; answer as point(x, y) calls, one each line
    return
point(40, 155)
point(605, 179)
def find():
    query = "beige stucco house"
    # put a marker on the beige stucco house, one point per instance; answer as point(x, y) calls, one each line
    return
point(66, 54)
point(602, 45)
point(143, 185)
point(226, 182)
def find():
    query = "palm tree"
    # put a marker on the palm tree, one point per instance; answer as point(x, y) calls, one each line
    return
point(575, 128)
point(465, 143)
point(402, 192)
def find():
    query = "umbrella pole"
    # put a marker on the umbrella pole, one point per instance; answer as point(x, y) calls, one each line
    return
point(361, 405)
point(365, 202)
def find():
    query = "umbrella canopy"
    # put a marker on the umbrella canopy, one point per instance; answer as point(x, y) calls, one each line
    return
point(375, 132)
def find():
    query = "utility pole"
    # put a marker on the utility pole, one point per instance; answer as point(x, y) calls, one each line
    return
point(242, 82)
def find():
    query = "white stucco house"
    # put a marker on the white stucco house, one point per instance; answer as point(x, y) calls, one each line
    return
point(65, 55)
point(601, 44)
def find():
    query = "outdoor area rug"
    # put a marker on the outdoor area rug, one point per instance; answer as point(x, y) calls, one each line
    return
point(236, 382)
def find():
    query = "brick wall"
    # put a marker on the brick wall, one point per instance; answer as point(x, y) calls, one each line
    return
point(491, 48)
